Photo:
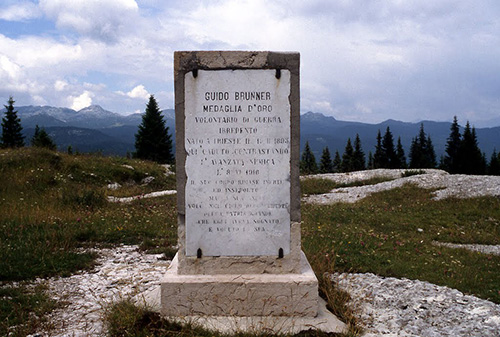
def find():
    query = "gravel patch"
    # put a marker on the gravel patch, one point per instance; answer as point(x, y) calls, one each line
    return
point(388, 306)
point(121, 273)
point(447, 185)
point(127, 200)
point(485, 249)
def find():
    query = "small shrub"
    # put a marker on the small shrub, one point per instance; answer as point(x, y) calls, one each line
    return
point(409, 173)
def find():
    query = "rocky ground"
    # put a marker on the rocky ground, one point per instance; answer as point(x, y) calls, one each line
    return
point(386, 306)
point(457, 185)
point(121, 273)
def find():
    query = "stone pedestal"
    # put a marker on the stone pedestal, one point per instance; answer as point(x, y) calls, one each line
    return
point(294, 295)
point(238, 190)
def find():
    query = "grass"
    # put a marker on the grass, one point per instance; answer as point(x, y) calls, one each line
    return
point(54, 204)
point(390, 233)
point(22, 310)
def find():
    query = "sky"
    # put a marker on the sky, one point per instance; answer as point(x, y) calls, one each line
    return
point(361, 60)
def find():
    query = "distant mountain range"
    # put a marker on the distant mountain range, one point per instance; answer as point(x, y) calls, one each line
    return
point(323, 131)
point(90, 129)
point(95, 129)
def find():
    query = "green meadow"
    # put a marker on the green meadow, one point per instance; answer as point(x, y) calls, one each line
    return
point(52, 204)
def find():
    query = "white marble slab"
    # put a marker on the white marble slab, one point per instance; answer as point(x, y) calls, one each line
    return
point(237, 139)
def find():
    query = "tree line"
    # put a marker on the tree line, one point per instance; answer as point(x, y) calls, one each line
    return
point(462, 155)
point(152, 140)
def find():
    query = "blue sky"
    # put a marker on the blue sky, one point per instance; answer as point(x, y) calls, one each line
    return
point(360, 60)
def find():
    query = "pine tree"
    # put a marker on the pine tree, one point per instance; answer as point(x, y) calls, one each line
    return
point(308, 163)
point(337, 162)
point(451, 160)
point(470, 157)
point(11, 127)
point(370, 161)
point(430, 154)
point(42, 139)
point(348, 157)
point(494, 166)
point(378, 155)
point(152, 140)
point(400, 155)
point(326, 165)
point(388, 157)
point(422, 154)
point(358, 155)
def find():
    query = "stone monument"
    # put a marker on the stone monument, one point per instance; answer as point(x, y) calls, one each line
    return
point(237, 159)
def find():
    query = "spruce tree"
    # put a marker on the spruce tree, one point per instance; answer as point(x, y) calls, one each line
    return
point(451, 161)
point(377, 156)
point(308, 163)
point(422, 154)
point(152, 140)
point(348, 157)
point(370, 161)
point(358, 155)
point(470, 156)
point(42, 139)
point(326, 165)
point(388, 157)
point(337, 162)
point(11, 127)
point(430, 154)
point(494, 165)
point(400, 155)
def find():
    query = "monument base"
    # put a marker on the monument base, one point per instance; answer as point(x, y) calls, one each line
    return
point(291, 295)
point(325, 321)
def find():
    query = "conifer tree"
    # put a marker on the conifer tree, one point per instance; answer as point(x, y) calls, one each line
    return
point(326, 165)
point(400, 155)
point(358, 155)
point(370, 161)
point(470, 156)
point(422, 153)
point(430, 154)
point(377, 156)
point(337, 162)
point(451, 161)
point(494, 165)
point(348, 157)
point(308, 163)
point(11, 127)
point(152, 140)
point(388, 158)
point(42, 139)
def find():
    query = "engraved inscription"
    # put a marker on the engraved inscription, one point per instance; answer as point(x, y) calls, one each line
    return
point(237, 141)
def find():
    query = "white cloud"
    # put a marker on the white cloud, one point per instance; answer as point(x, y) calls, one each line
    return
point(359, 60)
point(138, 92)
point(82, 101)
point(20, 12)
point(60, 85)
point(103, 20)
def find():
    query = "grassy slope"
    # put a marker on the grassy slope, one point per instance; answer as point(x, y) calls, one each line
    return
point(380, 234)
point(51, 204)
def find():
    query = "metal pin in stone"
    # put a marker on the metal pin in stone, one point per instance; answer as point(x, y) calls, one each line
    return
point(278, 73)
point(280, 253)
point(198, 253)
point(195, 73)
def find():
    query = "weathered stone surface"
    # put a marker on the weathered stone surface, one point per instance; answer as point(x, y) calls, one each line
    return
point(189, 63)
point(243, 264)
point(240, 295)
point(238, 166)
point(218, 271)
